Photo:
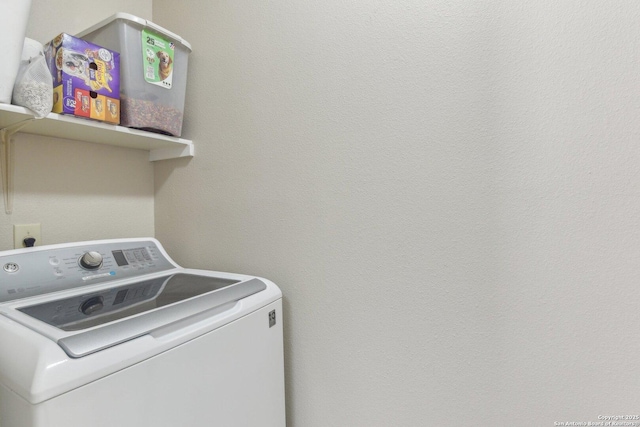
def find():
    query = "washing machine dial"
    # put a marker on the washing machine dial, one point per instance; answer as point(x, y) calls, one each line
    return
point(92, 305)
point(91, 260)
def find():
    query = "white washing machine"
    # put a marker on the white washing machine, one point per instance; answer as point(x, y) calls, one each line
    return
point(114, 333)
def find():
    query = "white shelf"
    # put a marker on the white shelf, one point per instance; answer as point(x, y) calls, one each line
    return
point(160, 147)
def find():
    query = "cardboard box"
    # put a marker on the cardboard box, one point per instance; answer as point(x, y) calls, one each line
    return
point(86, 78)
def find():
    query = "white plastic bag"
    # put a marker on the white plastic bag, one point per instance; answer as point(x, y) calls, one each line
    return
point(34, 86)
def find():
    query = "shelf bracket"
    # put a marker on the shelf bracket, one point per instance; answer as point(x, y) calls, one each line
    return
point(6, 161)
point(171, 153)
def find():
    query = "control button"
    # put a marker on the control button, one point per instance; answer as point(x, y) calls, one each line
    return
point(11, 267)
point(92, 305)
point(58, 272)
point(91, 260)
point(54, 261)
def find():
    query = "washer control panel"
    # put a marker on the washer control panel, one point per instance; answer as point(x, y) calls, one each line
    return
point(46, 269)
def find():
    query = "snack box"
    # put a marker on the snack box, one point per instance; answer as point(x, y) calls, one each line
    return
point(86, 78)
point(153, 71)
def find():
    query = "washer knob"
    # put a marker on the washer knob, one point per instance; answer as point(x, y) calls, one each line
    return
point(91, 260)
point(92, 305)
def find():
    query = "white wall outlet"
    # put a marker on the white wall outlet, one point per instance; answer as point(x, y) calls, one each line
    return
point(23, 231)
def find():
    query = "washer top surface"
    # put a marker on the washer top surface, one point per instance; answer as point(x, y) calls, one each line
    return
point(94, 295)
point(73, 313)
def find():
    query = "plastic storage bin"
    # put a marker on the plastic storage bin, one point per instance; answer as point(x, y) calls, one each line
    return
point(153, 71)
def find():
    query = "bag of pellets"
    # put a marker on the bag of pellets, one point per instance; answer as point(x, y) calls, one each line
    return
point(34, 84)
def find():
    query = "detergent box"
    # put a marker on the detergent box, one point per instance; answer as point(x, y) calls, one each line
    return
point(86, 78)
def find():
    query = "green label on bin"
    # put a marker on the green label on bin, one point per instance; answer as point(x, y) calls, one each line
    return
point(157, 56)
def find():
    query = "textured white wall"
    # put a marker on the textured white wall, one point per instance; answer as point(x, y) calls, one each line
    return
point(446, 191)
point(79, 191)
point(567, 203)
point(50, 18)
point(341, 152)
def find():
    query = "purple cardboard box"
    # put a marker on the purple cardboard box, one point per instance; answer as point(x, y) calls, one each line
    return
point(86, 78)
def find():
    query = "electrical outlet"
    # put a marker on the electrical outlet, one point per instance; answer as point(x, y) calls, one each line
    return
point(22, 231)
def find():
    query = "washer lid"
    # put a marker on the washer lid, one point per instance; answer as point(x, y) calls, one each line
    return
point(106, 318)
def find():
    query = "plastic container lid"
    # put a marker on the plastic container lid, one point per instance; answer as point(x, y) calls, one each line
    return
point(139, 21)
